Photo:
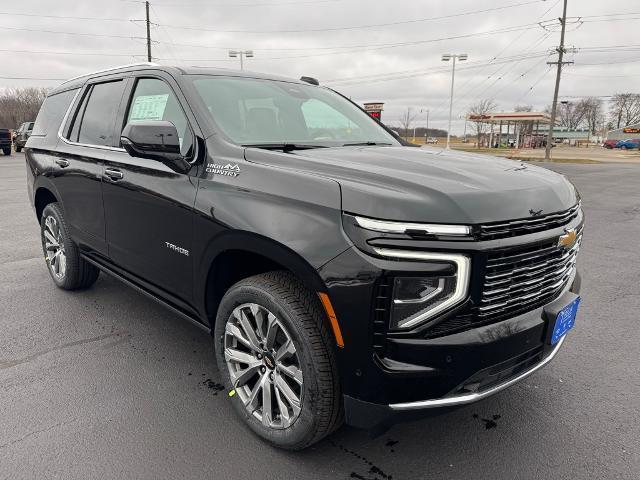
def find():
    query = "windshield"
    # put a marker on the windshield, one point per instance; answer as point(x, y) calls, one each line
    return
point(265, 112)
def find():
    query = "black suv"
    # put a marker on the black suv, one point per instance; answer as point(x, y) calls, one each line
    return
point(341, 275)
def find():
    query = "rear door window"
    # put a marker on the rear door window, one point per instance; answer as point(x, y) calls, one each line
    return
point(52, 112)
point(94, 122)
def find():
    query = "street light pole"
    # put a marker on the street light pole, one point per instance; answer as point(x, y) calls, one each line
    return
point(241, 54)
point(445, 58)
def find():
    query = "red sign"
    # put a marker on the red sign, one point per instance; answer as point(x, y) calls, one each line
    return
point(631, 130)
point(376, 115)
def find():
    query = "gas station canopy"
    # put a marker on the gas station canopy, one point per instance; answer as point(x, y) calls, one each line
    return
point(504, 117)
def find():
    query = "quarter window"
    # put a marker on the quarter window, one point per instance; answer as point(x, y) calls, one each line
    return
point(52, 112)
point(153, 99)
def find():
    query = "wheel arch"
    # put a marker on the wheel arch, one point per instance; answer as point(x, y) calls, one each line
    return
point(43, 196)
point(233, 256)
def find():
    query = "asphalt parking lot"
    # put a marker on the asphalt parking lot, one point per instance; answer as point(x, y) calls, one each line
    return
point(107, 384)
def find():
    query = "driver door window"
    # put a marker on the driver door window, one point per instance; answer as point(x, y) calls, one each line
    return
point(153, 99)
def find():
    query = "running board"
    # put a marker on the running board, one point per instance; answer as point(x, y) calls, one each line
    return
point(147, 293)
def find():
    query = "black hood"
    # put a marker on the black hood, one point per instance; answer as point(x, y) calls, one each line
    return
point(430, 184)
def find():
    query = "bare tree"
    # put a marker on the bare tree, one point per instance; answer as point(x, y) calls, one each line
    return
point(523, 108)
point(406, 121)
point(571, 114)
point(476, 112)
point(594, 114)
point(625, 109)
point(18, 105)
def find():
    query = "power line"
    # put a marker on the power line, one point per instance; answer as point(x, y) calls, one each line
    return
point(34, 78)
point(93, 54)
point(418, 73)
point(467, 92)
point(65, 17)
point(359, 27)
point(170, 50)
point(378, 46)
point(70, 33)
point(274, 4)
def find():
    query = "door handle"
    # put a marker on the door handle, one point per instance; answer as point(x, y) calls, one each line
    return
point(113, 174)
point(62, 162)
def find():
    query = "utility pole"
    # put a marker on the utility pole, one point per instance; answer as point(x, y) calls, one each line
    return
point(554, 106)
point(146, 4)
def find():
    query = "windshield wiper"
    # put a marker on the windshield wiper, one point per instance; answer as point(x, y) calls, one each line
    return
point(285, 147)
point(356, 144)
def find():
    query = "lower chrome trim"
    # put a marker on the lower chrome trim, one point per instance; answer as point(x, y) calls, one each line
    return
point(473, 397)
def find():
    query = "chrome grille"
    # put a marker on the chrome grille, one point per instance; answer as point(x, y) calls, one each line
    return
point(513, 228)
point(518, 280)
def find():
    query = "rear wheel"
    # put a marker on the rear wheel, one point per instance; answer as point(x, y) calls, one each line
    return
point(68, 270)
point(277, 360)
point(18, 149)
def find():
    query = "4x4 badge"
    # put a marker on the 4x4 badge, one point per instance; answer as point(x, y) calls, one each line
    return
point(228, 170)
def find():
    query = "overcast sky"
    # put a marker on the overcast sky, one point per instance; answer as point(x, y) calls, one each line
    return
point(344, 44)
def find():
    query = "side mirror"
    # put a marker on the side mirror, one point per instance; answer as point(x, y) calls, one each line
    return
point(155, 140)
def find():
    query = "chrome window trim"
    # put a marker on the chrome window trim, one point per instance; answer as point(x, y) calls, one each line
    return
point(76, 144)
point(386, 226)
point(463, 272)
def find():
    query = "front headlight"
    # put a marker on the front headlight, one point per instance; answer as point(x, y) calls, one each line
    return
point(418, 299)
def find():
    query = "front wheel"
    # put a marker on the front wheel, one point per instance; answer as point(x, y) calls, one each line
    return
point(68, 270)
point(276, 358)
point(18, 149)
point(6, 151)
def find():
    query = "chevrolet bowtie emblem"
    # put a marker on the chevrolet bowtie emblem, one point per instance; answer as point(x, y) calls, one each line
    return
point(568, 240)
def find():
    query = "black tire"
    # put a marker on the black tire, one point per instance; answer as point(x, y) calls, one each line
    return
point(18, 149)
point(6, 151)
point(301, 314)
point(78, 273)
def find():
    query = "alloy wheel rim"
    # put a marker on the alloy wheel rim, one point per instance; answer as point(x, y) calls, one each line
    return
point(264, 365)
point(54, 247)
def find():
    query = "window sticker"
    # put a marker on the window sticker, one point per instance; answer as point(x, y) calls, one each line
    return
point(149, 107)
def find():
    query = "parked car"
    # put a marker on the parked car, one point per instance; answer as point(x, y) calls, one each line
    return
point(609, 144)
point(341, 275)
point(432, 140)
point(5, 141)
point(628, 144)
point(22, 135)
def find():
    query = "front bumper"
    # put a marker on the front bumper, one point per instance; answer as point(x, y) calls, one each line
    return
point(486, 381)
point(463, 399)
point(416, 374)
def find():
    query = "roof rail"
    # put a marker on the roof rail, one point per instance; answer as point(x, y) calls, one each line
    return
point(139, 64)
